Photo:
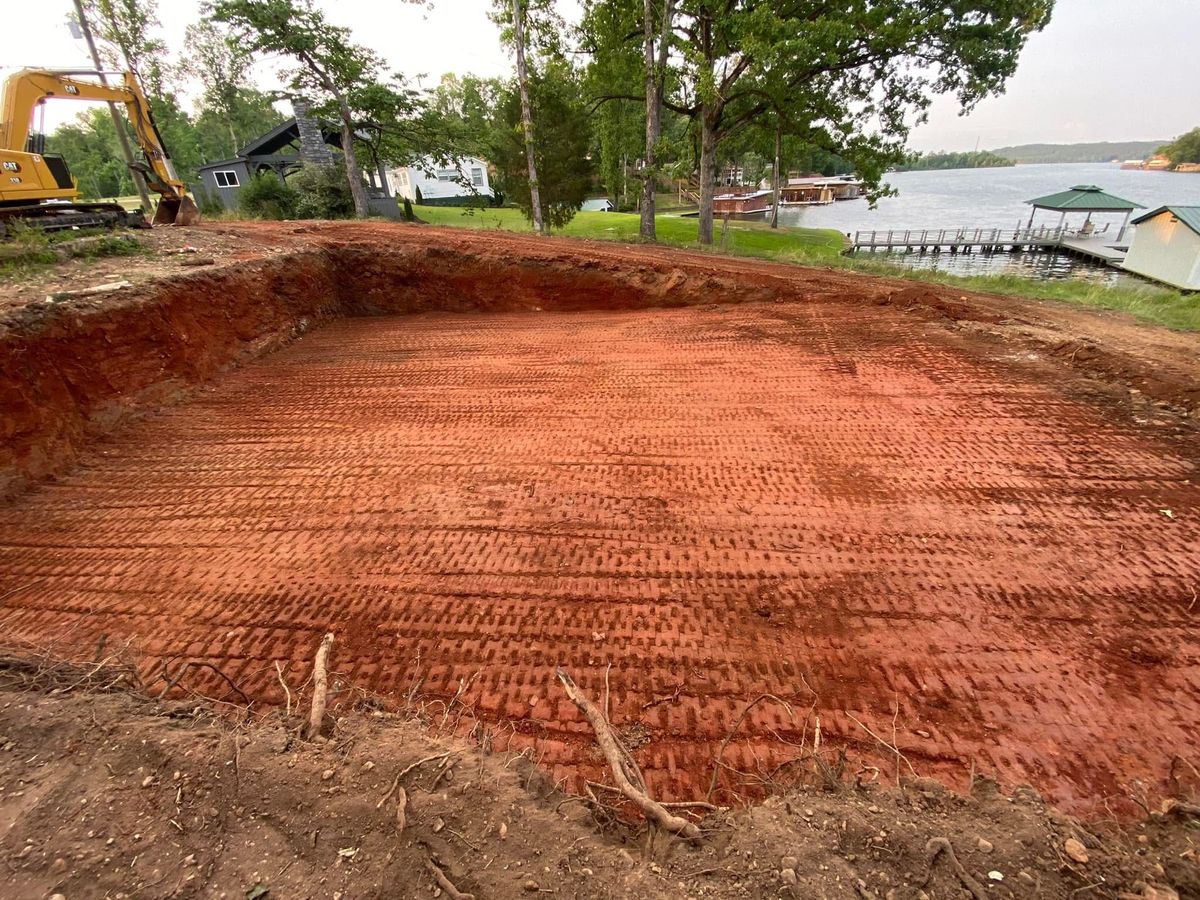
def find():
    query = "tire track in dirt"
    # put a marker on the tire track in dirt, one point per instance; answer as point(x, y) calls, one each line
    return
point(666, 491)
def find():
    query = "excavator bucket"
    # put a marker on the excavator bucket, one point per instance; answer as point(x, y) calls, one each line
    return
point(177, 211)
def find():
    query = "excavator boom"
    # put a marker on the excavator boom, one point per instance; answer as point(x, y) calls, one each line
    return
point(33, 185)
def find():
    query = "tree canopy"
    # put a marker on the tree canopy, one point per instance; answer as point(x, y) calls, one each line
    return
point(1184, 149)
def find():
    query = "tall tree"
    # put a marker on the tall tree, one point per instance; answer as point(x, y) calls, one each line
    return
point(564, 136)
point(852, 77)
point(608, 33)
point(529, 25)
point(535, 198)
point(655, 62)
point(330, 64)
point(126, 31)
point(222, 64)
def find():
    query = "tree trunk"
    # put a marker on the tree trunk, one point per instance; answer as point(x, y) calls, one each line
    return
point(652, 125)
point(655, 73)
point(381, 169)
point(535, 195)
point(118, 120)
point(232, 137)
point(708, 170)
point(775, 177)
point(362, 209)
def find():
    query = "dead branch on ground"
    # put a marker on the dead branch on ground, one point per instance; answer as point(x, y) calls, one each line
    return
point(712, 785)
point(400, 775)
point(892, 747)
point(625, 771)
point(320, 686)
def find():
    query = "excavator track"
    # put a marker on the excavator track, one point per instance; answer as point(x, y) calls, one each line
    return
point(61, 216)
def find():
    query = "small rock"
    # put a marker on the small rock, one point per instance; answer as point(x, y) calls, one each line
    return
point(327, 774)
point(368, 766)
point(147, 781)
point(787, 876)
point(503, 831)
point(984, 846)
point(438, 824)
point(1075, 850)
point(25, 851)
point(995, 876)
point(1151, 892)
point(532, 886)
point(789, 862)
point(57, 897)
point(58, 866)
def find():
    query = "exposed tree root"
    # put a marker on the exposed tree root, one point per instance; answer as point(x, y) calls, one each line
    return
point(625, 771)
point(320, 686)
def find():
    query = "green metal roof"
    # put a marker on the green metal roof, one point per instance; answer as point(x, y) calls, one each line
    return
point(1085, 198)
point(1188, 215)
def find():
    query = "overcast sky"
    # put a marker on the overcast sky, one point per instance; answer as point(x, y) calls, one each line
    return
point(1102, 70)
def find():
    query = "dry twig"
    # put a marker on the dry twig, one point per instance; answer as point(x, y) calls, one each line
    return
point(400, 775)
point(712, 785)
point(286, 693)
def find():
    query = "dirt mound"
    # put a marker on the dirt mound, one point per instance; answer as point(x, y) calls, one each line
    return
point(106, 794)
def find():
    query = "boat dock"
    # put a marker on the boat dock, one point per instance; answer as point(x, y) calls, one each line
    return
point(1096, 246)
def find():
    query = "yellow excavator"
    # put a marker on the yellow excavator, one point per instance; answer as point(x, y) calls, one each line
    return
point(37, 189)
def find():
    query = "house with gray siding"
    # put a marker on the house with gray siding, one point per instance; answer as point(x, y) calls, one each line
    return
point(283, 150)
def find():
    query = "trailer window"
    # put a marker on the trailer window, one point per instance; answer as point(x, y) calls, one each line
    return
point(227, 178)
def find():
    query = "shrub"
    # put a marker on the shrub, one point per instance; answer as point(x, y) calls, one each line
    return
point(323, 193)
point(208, 202)
point(267, 196)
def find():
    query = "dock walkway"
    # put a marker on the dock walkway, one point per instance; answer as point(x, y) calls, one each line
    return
point(1098, 247)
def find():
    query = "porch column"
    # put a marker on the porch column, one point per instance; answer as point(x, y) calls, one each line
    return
point(1124, 225)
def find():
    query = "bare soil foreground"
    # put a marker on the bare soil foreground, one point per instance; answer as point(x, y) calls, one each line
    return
point(951, 535)
point(108, 795)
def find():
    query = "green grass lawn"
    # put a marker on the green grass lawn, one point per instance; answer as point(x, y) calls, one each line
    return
point(820, 246)
point(1145, 301)
point(745, 238)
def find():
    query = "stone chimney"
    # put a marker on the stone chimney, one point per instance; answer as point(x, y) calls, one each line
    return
point(313, 148)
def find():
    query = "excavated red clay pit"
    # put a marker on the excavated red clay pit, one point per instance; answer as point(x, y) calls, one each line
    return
point(472, 471)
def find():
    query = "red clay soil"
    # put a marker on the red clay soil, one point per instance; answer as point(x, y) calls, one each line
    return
point(892, 524)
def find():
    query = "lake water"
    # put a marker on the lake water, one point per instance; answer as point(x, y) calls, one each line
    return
point(995, 198)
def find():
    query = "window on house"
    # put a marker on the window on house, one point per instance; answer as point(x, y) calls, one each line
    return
point(448, 175)
point(404, 177)
point(477, 177)
point(227, 178)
